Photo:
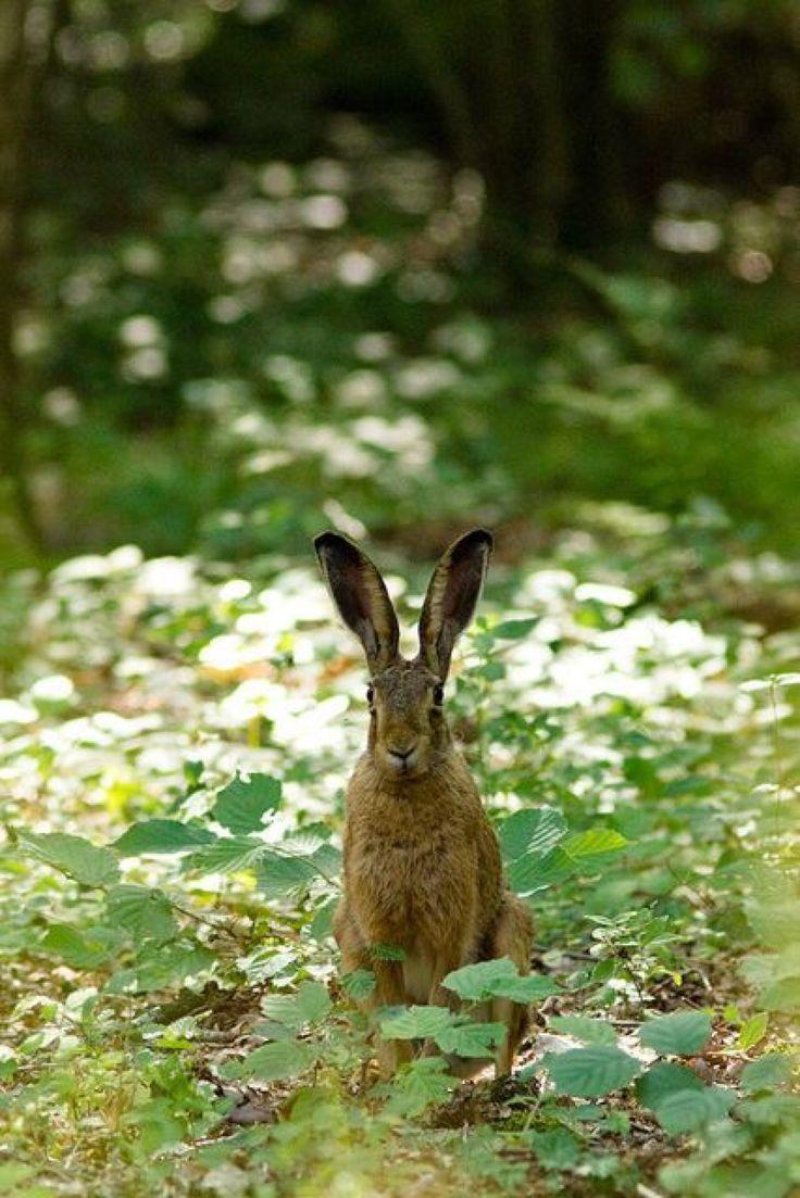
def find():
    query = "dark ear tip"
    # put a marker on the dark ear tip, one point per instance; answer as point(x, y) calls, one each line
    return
point(476, 538)
point(332, 540)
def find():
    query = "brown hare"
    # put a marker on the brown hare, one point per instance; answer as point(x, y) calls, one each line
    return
point(422, 866)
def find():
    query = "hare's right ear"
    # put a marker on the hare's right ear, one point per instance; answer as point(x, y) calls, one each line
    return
point(361, 597)
point(452, 597)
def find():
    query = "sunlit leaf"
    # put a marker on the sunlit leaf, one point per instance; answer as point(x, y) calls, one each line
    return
point(690, 1110)
point(471, 1039)
point(144, 912)
point(535, 831)
point(582, 1027)
point(243, 803)
point(87, 863)
point(680, 1033)
point(161, 836)
point(591, 1072)
point(416, 1023)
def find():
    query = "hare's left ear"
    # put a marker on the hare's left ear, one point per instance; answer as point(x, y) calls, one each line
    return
point(361, 597)
point(452, 597)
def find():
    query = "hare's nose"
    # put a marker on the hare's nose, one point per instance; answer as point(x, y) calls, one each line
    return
point(402, 755)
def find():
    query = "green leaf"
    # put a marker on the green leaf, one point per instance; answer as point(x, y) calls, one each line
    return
point(531, 873)
point(87, 863)
point(275, 1062)
point(783, 995)
point(555, 1149)
point(242, 804)
point(591, 1031)
point(471, 1039)
point(679, 1034)
point(591, 1072)
point(690, 1110)
point(663, 1079)
point(513, 630)
point(416, 1023)
point(477, 982)
point(358, 984)
point(279, 876)
point(81, 950)
point(531, 831)
point(774, 1069)
point(422, 1083)
point(226, 855)
point(161, 836)
point(752, 1031)
point(308, 1005)
point(594, 842)
point(159, 966)
point(529, 988)
point(145, 913)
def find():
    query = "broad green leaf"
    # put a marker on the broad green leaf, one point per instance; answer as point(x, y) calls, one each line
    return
point(555, 1149)
point(529, 988)
point(594, 842)
point(531, 873)
point(87, 863)
point(471, 1039)
point(422, 1083)
point(771, 1109)
point(309, 1004)
point(663, 1079)
point(582, 1027)
point(775, 924)
point(679, 1034)
point(783, 995)
point(279, 876)
point(242, 804)
point(159, 966)
point(161, 836)
point(690, 1110)
point(774, 1069)
point(81, 950)
point(145, 913)
point(479, 981)
point(275, 1062)
point(591, 1072)
point(416, 1023)
point(226, 855)
point(536, 830)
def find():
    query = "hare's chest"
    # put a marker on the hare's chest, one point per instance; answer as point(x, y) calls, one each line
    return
point(411, 890)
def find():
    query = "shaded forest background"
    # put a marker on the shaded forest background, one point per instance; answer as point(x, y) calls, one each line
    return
point(428, 263)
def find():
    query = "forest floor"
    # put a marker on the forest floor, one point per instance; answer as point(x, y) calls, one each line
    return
point(177, 734)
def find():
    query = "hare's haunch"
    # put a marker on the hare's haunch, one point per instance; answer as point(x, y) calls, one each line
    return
point(422, 868)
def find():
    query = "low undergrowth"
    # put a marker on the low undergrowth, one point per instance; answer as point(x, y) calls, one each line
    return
point(176, 743)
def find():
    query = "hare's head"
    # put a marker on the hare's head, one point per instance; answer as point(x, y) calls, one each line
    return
point(408, 731)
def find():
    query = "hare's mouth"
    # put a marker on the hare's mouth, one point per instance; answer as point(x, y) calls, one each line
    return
point(405, 762)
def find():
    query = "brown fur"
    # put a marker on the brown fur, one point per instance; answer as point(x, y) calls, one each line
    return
point(422, 866)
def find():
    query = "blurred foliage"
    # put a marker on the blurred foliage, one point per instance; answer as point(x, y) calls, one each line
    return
point(255, 268)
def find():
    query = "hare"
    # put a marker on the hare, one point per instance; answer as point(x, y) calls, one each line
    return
point(422, 866)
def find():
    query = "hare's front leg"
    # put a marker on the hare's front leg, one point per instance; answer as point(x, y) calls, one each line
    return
point(513, 937)
point(389, 990)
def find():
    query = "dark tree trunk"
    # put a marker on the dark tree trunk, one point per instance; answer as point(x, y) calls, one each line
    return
point(24, 39)
point(523, 88)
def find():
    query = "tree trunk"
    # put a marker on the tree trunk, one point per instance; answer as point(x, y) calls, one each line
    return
point(21, 48)
point(523, 88)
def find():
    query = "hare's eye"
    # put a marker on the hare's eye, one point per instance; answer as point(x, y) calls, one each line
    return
point(370, 694)
point(438, 694)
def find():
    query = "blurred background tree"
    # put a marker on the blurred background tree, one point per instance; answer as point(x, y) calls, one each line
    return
point(259, 253)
